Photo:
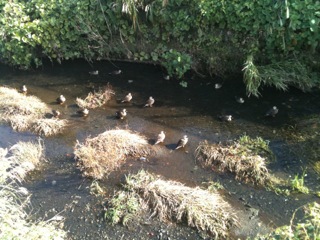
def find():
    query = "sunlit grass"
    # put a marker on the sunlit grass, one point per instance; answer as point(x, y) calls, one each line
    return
point(27, 113)
point(246, 158)
point(96, 99)
point(99, 156)
point(15, 222)
point(306, 228)
point(204, 210)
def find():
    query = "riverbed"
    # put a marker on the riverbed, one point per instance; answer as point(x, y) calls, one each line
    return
point(58, 188)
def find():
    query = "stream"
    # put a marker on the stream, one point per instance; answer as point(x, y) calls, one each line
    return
point(58, 188)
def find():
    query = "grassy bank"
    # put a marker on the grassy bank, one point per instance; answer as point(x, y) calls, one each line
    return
point(169, 200)
point(27, 113)
point(15, 222)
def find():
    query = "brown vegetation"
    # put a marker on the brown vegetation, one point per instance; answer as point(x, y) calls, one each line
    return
point(169, 200)
point(247, 164)
point(96, 99)
point(103, 154)
point(15, 222)
point(26, 113)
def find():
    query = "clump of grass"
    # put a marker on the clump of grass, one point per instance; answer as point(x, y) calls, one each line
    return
point(25, 156)
point(297, 184)
point(241, 158)
point(99, 156)
point(251, 76)
point(281, 74)
point(49, 126)
point(14, 221)
point(96, 99)
point(170, 200)
point(307, 228)
point(26, 113)
point(125, 207)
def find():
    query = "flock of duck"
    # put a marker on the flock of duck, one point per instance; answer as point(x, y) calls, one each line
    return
point(121, 114)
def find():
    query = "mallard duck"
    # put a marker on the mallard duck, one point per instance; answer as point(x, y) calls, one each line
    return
point(225, 118)
point(83, 112)
point(160, 138)
point(121, 114)
point(182, 142)
point(61, 99)
point(127, 98)
point(239, 99)
point(150, 102)
point(95, 73)
point(115, 72)
point(23, 89)
point(56, 113)
point(218, 86)
point(166, 77)
point(272, 112)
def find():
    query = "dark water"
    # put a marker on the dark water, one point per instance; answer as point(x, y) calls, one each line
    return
point(194, 111)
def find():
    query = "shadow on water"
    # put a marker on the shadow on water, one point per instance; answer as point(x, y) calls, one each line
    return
point(177, 111)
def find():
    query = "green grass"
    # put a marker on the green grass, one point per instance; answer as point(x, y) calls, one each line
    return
point(304, 229)
point(297, 184)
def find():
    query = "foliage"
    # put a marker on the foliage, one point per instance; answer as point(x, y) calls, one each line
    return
point(211, 36)
point(308, 228)
point(124, 208)
point(297, 184)
point(280, 74)
point(246, 158)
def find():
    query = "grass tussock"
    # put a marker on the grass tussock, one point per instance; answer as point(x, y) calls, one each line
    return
point(14, 220)
point(49, 126)
point(20, 159)
point(246, 158)
point(26, 113)
point(170, 200)
point(96, 99)
point(99, 156)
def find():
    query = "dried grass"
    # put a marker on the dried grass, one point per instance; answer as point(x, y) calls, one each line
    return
point(96, 99)
point(173, 201)
point(14, 221)
point(26, 113)
point(24, 157)
point(103, 154)
point(246, 164)
point(49, 126)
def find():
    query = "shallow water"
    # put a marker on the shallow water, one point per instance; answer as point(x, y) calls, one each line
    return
point(177, 111)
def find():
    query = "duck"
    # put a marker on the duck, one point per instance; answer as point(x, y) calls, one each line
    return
point(239, 99)
point(127, 98)
point(61, 99)
point(150, 102)
point(56, 113)
point(115, 72)
point(121, 114)
point(94, 73)
point(225, 118)
point(160, 138)
point(23, 89)
point(272, 112)
point(83, 112)
point(218, 86)
point(182, 142)
point(166, 77)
